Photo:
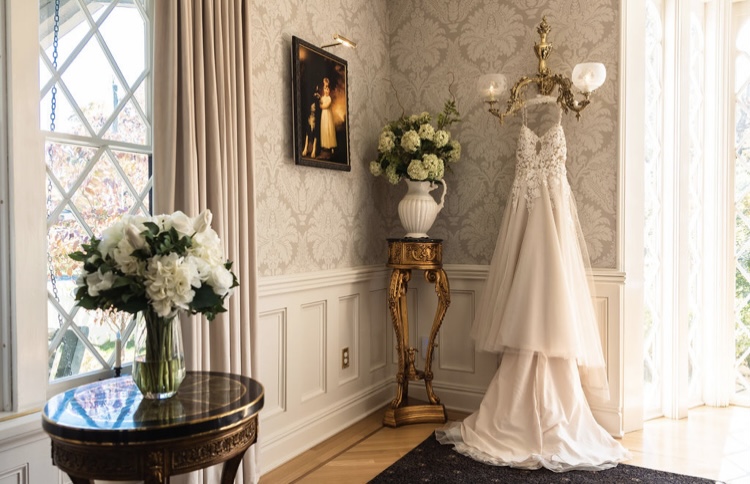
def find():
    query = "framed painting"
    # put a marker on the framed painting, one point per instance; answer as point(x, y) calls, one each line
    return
point(320, 99)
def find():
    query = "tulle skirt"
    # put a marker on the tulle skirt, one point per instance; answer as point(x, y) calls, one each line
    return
point(538, 295)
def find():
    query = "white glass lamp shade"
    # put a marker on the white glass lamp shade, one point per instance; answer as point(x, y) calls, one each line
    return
point(491, 86)
point(589, 76)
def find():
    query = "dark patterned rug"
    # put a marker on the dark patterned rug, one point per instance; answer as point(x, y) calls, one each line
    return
point(432, 462)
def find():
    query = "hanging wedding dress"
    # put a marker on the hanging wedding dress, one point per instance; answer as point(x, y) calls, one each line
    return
point(536, 309)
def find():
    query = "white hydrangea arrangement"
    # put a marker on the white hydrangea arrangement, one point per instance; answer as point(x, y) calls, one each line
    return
point(411, 147)
point(164, 264)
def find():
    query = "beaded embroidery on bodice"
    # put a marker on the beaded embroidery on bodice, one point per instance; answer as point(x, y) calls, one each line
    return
point(540, 161)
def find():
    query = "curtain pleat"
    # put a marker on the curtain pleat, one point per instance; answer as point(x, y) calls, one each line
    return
point(202, 159)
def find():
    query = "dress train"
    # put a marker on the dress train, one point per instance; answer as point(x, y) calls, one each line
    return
point(534, 415)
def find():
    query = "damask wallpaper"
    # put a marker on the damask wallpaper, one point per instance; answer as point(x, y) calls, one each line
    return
point(312, 219)
point(409, 51)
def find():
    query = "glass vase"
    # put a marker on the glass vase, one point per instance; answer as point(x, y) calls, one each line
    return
point(159, 359)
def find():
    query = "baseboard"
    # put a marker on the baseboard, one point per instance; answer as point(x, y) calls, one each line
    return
point(287, 443)
point(610, 419)
point(461, 398)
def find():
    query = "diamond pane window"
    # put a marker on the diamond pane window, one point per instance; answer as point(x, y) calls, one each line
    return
point(95, 88)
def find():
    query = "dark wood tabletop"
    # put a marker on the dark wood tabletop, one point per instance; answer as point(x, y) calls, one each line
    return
point(107, 430)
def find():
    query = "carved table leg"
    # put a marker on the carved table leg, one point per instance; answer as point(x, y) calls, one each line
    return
point(397, 305)
point(229, 471)
point(442, 289)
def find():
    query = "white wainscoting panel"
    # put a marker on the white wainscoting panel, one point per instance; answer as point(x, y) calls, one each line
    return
point(18, 475)
point(272, 331)
point(348, 337)
point(610, 286)
point(313, 333)
point(456, 351)
point(379, 327)
point(601, 309)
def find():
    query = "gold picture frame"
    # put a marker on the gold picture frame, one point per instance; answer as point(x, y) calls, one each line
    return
point(320, 99)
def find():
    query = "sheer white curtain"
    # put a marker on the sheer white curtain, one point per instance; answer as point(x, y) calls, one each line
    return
point(202, 159)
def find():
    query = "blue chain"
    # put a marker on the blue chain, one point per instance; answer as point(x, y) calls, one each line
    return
point(55, 38)
point(56, 30)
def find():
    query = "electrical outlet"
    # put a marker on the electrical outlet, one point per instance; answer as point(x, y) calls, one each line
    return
point(345, 358)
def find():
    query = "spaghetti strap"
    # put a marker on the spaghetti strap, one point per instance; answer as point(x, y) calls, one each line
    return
point(523, 114)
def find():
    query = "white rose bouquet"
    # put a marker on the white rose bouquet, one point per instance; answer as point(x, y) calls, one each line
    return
point(156, 266)
point(163, 264)
point(411, 147)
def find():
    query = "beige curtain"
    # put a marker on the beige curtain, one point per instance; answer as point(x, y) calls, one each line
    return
point(202, 159)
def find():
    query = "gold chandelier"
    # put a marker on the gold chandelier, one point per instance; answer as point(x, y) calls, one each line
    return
point(587, 77)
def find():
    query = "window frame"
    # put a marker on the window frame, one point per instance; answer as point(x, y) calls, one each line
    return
point(6, 348)
point(103, 145)
point(26, 208)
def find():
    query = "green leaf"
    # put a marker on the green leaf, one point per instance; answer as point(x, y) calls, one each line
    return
point(133, 306)
point(88, 303)
point(121, 282)
point(78, 256)
point(205, 297)
point(151, 228)
point(141, 254)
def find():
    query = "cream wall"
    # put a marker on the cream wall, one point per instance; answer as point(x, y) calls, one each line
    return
point(310, 219)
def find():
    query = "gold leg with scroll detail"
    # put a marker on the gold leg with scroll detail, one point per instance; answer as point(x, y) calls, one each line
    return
point(442, 288)
point(400, 411)
point(397, 305)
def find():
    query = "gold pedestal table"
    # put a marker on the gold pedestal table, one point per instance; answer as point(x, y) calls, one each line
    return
point(107, 430)
point(404, 255)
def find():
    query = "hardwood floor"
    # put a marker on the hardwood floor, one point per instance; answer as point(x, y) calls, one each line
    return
point(713, 443)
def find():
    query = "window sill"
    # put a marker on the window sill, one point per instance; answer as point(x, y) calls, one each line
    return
point(20, 428)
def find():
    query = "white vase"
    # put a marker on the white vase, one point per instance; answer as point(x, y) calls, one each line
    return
point(418, 209)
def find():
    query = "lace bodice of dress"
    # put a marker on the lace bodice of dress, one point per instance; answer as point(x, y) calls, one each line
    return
point(540, 161)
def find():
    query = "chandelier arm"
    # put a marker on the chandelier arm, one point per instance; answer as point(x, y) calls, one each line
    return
point(516, 100)
point(566, 97)
point(546, 83)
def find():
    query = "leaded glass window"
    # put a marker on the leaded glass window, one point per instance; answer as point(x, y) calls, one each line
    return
point(95, 78)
